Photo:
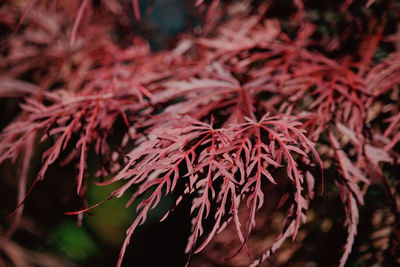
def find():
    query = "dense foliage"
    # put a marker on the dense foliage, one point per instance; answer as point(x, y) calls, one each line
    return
point(290, 95)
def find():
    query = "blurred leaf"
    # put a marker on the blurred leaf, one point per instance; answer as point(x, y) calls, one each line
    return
point(73, 241)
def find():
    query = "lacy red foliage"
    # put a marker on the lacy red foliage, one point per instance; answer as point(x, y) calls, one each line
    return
point(254, 99)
